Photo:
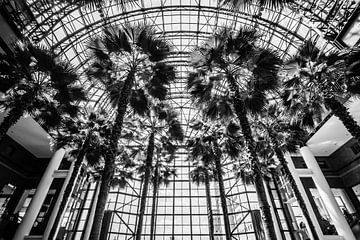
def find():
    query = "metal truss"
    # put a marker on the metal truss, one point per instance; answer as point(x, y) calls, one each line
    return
point(328, 16)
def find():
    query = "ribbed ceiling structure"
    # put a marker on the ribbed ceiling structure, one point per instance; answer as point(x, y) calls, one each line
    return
point(181, 207)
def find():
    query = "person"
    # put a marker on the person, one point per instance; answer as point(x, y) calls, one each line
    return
point(303, 232)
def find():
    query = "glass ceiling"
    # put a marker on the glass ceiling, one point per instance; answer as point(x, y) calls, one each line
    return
point(184, 24)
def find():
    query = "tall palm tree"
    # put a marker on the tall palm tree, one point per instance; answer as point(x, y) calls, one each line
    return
point(161, 174)
point(160, 121)
point(267, 166)
point(284, 137)
point(202, 173)
point(233, 76)
point(82, 136)
point(127, 62)
point(316, 79)
point(37, 82)
point(208, 151)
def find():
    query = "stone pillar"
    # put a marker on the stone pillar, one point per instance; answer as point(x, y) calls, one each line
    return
point(39, 197)
point(326, 195)
point(305, 197)
point(57, 205)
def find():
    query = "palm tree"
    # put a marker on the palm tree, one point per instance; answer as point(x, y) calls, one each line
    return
point(160, 120)
point(127, 61)
point(233, 76)
point(37, 82)
point(316, 79)
point(202, 173)
point(207, 151)
point(82, 136)
point(284, 137)
point(161, 174)
point(267, 165)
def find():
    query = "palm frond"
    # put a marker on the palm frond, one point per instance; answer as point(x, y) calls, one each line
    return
point(114, 91)
point(244, 173)
point(8, 72)
point(164, 74)
point(200, 92)
point(267, 64)
point(244, 44)
point(139, 101)
point(244, 4)
point(119, 181)
point(22, 54)
point(7, 82)
point(156, 90)
point(232, 128)
point(97, 50)
point(156, 48)
point(198, 174)
point(218, 107)
point(94, 155)
point(70, 94)
point(175, 130)
point(352, 61)
point(115, 40)
point(353, 84)
point(48, 115)
point(275, 4)
point(255, 101)
point(45, 59)
point(309, 50)
point(69, 108)
point(292, 82)
point(232, 148)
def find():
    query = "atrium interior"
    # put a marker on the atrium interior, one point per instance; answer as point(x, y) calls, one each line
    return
point(213, 173)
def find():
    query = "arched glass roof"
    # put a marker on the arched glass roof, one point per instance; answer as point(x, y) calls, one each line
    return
point(184, 24)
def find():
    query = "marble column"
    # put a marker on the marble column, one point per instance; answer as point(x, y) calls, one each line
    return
point(338, 219)
point(57, 205)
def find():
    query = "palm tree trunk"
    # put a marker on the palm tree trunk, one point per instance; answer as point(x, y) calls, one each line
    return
point(287, 216)
point(106, 177)
point(222, 191)
point(110, 156)
point(16, 113)
point(153, 209)
point(241, 113)
point(209, 207)
point(342, 113)
point(149, 158)
point(280, 156)
point(70, 186)
point(264, 206)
